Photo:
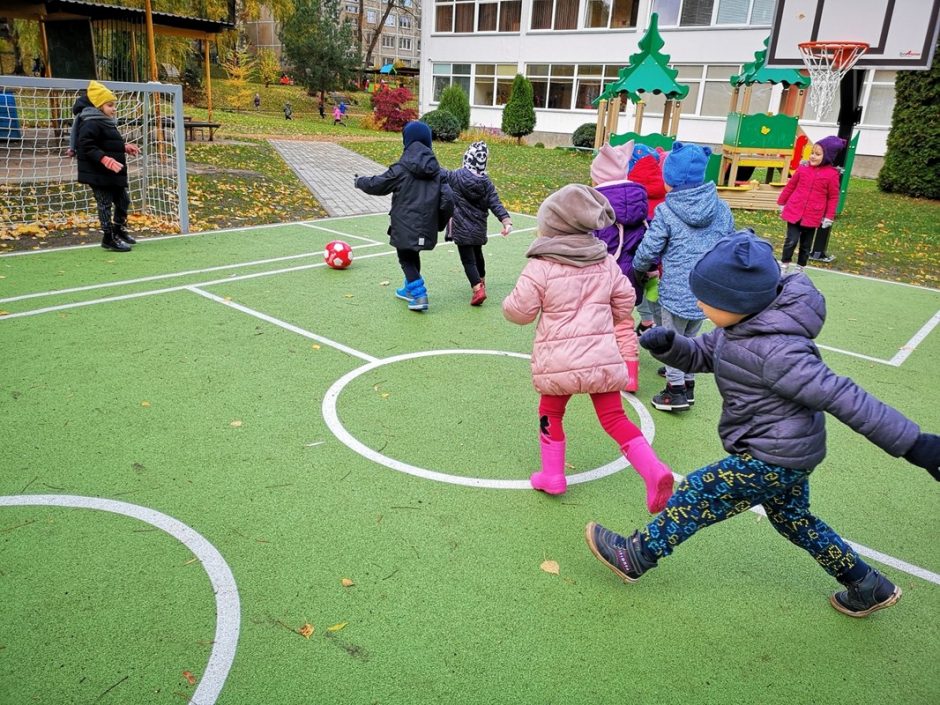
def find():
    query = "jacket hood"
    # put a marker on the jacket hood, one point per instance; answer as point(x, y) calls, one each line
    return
point(799, 309)
point(628, 200)
point(694, 206)
point(473, 187)
point(80, 104)
point(648, 172)
point(420, 161)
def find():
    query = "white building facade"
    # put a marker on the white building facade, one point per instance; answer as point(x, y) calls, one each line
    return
point(571, 49)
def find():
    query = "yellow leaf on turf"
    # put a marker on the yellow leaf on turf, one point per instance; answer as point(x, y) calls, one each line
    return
point(550, 567)
point(346, 582)
point(306, 631)
point(236, 424)
point(145, 404)
point(337, 627)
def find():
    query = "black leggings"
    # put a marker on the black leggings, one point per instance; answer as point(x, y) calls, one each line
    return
point(474, 266)
point(410, 261)
point(797, 235)
point(107, 197)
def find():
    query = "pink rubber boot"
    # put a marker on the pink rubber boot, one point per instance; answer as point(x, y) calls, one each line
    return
point(551, 479)
point(655, 473)
point(633, 368)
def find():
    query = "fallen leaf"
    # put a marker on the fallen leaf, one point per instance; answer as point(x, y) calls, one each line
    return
point(306, 631)
point(347, 296)
point(315, 346)
point(346, 582)
point(236, 424)
point(385, 283)
point(337, 627)
point(550, 567)
point(385, 395)
point(145, 404)
point(190, 678)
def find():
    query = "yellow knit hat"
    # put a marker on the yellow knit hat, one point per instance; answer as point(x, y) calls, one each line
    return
point(99, 94)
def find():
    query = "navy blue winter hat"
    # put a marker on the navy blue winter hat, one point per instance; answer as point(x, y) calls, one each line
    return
point(738, 275)
point(685, 165)
point(416, 131)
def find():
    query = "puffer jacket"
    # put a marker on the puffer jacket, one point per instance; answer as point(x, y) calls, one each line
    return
point(648, 172)
point(629, 203)
point(574, 351)
point(811, 194)
point(98, 137)
point(775, 387)
point(686, 226)
point(78, 106)
point(418, 190)
point(474, 196)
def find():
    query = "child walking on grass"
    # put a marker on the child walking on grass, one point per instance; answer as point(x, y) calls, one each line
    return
point(809, 201)
point(102, 164)
point(422, 203)
point(474, 197)
point(578, 293)
point(775, 388)
point(623, 237)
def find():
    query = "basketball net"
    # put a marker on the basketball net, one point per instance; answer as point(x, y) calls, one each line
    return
point(827, 63)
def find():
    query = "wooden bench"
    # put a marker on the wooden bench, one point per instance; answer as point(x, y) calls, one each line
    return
point(192, 126)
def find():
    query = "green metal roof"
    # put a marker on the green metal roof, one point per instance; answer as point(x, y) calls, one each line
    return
point(757, 72)
point(648, 71)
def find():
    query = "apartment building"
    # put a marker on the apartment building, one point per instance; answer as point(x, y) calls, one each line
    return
point(571, 49)
point(400, 37)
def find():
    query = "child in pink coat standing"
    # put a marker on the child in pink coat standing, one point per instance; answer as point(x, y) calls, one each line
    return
point(578, 293)
point(809, 201)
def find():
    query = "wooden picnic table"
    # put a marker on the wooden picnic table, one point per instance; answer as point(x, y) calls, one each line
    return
point(192, 126)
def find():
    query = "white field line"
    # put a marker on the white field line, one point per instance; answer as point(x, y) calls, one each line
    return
point(915, 340)
point(855, 354)
point(314, 226)
point(171, 289)
point(171, 275)
point(282, 324)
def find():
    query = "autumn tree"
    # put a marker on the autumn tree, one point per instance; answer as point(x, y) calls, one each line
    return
point(269, 67)
point(320, 46)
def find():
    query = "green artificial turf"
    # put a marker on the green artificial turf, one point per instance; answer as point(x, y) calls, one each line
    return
point(185, 405)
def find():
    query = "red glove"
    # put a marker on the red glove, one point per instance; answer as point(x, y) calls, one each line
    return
point(131, 149)
point(112, 164)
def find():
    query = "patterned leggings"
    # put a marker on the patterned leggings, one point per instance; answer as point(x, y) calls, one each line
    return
point(105, 198)
point(735, 484)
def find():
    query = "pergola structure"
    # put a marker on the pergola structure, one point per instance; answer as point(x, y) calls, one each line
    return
point(85, 39)
point(647, 72)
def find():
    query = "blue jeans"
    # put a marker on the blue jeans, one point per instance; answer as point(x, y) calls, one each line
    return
point(735, 484)
point(682, 326)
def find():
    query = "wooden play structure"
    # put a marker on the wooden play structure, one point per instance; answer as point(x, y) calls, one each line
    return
point(647, 72)
point(772, 141)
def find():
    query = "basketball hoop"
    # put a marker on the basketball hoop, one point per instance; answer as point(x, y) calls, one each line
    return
point(827, 63)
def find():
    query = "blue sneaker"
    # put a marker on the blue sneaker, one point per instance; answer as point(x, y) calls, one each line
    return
point(419, 295)
point(622, 555)
point(403, 293)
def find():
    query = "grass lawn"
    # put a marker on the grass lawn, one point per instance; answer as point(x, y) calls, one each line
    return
point(240, 180)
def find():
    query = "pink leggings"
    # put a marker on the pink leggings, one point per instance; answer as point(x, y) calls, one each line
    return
point(609, 411)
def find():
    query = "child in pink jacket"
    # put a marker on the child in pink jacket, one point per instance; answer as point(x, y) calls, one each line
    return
point(578, 293)
point(809, 201)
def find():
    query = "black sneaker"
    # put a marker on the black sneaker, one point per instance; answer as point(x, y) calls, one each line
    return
point(109, 242)
point(622, 555)
point(815, 256)
point(871, 593)
point(661, 371)
point(690, 391)
point(672, 399)
point(826, 259)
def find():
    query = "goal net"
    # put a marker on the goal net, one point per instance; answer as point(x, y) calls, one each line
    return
point(39, 190)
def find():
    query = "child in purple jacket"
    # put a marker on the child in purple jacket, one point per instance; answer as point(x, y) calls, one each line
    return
point(775, 388)
point(629, 201)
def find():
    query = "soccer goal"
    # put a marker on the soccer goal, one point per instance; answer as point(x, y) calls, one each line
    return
point(38, 186)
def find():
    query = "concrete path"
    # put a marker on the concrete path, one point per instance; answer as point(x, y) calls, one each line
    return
point(327, 169)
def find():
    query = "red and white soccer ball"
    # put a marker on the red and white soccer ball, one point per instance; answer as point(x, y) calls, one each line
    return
point(338, 254)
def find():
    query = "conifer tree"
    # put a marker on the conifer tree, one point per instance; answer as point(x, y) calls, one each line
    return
point(519, 113)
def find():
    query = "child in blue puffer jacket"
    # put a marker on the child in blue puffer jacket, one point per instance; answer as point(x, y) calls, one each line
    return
point(775, 388)
point(686, 225)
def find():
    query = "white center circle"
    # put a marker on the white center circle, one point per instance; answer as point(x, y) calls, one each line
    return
point(335, 425)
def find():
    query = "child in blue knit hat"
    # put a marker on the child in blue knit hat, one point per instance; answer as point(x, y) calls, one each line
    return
point(422, 203)
point(686, 225)
point(775, 388)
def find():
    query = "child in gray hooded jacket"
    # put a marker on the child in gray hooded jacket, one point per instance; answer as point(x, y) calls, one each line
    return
point(775, 388)
point(686, 225)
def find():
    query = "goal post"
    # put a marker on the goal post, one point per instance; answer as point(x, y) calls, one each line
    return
point(38, 180)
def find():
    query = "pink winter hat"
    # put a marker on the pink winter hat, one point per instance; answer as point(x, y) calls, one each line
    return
point(610, 164)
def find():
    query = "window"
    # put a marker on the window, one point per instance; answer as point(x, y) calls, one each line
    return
point(459, 16)
point(684, 13)
point(404, 43)
point(716, 92)
point(555, 14)
point(388, 42)
point(493, 83)
point(552, 85)
point(449, 74)
point(372, 16)
point(754, 12)
point(404, 21)
point(391, 20)
point(612, 14)
point(406, 3)
point(463, 16)
point(352, 9)
point(703, 13)
point(880, 104)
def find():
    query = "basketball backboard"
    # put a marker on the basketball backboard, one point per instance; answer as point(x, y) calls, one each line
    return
point(902, 34)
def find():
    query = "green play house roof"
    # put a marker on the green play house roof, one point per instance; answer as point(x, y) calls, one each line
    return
point(757, 72)
point(648, 71)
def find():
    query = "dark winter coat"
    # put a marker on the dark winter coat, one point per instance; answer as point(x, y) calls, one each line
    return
point(775, 387)
point(418, 190)
point(474, 197)
point(80, 104)
point(99, 137)
point(629, 203)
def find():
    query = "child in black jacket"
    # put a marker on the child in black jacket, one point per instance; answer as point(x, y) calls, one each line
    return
point(103, 166)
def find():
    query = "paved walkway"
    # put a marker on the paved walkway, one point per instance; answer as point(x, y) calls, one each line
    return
point(327, 169)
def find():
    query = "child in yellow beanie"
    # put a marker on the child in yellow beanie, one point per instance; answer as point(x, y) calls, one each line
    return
point(102, 165)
